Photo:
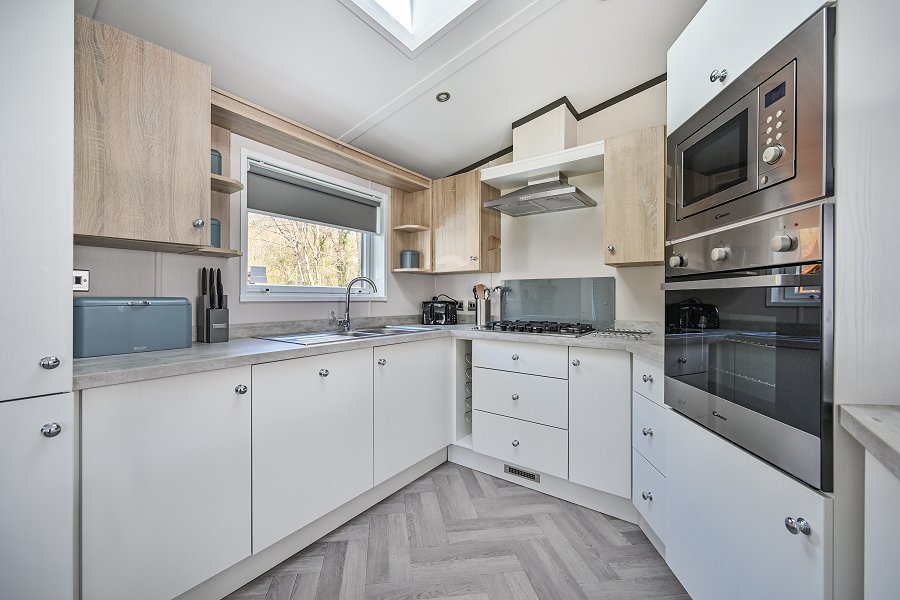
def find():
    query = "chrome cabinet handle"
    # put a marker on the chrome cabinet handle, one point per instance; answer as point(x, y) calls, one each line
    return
point(575, 362)
point(473, 258)
point(323, 372)
point(241, 389)
point(718, 75)
point(51, 429)
point(682, 360)
point(382, 362)
point(198, 223)
point(515, 357)
point(647, 496)
point(515, 396)
point(791, 525)
point(515, 443)
point(49, 362)
point(647, 378)
point(611, 249)
point(800, 525)
point(647, 431)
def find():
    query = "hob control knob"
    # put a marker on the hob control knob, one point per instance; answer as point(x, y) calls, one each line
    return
point(719, 254)
point(678, 261)
point(771, 154)
point(782, 243)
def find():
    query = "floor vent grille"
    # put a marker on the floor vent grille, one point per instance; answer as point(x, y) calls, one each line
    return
point(523, 474)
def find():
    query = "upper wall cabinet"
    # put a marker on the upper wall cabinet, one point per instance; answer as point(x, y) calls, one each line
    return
point(726, 35)
point(142, 140)
point(634, 198)
point(466, 235)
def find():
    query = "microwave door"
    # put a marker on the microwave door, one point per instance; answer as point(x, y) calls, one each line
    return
point(718, 163)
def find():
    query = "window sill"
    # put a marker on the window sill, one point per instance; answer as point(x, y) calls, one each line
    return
point(288, 297)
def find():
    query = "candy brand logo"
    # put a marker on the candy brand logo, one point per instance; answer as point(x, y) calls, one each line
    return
point(722, 215)
point(717, 415)
point(139, 348)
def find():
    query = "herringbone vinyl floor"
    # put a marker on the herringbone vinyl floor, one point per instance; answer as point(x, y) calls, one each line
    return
point(457, 533)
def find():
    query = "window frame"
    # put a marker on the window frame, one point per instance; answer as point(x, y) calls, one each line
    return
point(374, 249)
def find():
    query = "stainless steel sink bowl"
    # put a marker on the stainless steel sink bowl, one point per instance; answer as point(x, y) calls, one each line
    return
point(393, 329)
point(328, 337)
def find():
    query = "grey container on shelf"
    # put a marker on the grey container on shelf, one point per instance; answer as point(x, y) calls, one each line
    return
point(111, 325)
point(216, 164)
point(215, 233)
point(409, 259)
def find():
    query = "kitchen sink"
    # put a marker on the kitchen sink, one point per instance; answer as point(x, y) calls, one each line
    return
point(327, 337)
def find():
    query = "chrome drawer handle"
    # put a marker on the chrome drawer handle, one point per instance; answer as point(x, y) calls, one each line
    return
point(49, 362)
point(515, 357)
point(800, 525)
point(323, 372)
point(515, 443)
point(718, 75)
point(682, 360)
point(515, 396)
point(647, 431)
point(382, 362)
point(575, 362)
point(51, 429)
point(241, 389)
point(647, 378)
point(648, 496)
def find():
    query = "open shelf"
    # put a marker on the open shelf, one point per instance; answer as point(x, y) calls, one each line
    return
point(411, 228)
point(466, 442)
point(217, 252)
point(226, 185)
point(400, 270)
point(572, 162)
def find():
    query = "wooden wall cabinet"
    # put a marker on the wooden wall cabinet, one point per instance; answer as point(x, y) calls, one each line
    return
point(411, 228)
point(142, 140)
point(466, 235)
point(634, 198)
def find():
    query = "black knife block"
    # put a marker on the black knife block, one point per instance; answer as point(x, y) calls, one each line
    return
point(212, 323)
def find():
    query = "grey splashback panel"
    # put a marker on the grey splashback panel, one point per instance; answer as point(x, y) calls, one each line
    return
point(581, 299)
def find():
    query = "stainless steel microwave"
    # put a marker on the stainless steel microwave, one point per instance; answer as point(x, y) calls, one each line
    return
point(763, 143)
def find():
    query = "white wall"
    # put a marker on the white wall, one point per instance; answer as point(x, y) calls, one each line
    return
point(867, 213)
point(570, 244)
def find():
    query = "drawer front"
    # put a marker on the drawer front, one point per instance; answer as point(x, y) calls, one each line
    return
point(647, 480)
point(529, 445)
point(648, 431)
point(542, 400)
point(522, 357)
point(647, 379)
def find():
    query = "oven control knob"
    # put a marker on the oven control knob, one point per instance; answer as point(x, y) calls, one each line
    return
point(678, 261)
point(719, 254)
point(771, 154)
point(782, 243)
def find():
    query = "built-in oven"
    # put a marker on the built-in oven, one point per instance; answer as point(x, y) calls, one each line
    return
point(763, 143)
point(748, 345)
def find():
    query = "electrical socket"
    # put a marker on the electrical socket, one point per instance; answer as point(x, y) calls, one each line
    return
point(471, 305)
point(460, 305)
point(80, 280)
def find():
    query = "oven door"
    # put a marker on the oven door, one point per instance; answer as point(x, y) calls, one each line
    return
point(757, 378)
point(718, 163)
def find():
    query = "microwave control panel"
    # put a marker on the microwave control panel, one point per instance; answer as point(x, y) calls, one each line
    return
point(777, 125)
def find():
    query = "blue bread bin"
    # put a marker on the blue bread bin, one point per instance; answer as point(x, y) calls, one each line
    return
point(111, 325)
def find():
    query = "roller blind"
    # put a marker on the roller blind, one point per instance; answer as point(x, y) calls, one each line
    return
point(274, 190)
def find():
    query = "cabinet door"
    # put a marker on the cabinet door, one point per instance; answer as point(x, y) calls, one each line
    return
point(36, 199)
point(312, 439)
point(37, 502)
point(725, 34)
point(634, 196)
point(600, 420)
point(142, 138)
point(165, 483)
point(725, 522)
point(412, 404)
point(466, 235)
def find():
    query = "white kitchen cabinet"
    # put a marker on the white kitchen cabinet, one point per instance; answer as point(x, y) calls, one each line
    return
point(542, 400)
point(521, 357)
point(312, 439)
point(412, 404)
point(648, 431)
point(36, 201)
point(882, 530)
point(165, 483)
point(647, 379)
point(725, 34)
point(648, 492)
point(600, 419)
point(725, 522)
point(37, 501)
point(521, 443)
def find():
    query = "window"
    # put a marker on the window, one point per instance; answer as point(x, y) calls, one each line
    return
point(305, 235)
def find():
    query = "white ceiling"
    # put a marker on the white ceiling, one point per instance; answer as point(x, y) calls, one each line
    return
point(317, 62)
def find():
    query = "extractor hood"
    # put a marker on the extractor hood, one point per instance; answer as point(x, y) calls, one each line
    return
point(549, 193)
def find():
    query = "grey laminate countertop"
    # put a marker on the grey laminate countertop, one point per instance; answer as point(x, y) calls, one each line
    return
point(126, 368)
point(877, 428)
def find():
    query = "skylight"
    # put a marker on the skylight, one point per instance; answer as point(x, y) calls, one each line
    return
point(411, 24)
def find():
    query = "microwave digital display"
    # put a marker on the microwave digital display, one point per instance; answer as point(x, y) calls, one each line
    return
point(776, 94)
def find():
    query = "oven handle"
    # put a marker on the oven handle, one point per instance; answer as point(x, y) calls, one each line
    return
point(755, 281)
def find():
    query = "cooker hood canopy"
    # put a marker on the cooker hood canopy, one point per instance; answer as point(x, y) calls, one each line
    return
point(548, 193)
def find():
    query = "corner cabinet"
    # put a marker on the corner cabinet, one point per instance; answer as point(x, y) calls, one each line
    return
point(142, 140)
point(634, 198)
point(466, 235)
point(727, 534)
point(165, 483)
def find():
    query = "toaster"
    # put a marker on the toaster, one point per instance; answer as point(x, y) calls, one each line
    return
point(438, 312)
